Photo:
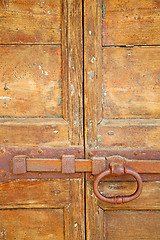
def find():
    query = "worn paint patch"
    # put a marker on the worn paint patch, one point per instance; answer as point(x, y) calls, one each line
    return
point(91, 74)
point(103, 10)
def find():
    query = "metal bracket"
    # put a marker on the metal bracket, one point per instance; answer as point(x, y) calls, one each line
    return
point(19, 164)
point(68, 164)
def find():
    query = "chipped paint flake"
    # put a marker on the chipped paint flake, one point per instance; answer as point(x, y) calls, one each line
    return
point(56, 131)
point(93, 59)
point(3, 97)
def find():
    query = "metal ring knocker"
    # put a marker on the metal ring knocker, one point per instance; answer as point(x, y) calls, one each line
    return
point(117, 170)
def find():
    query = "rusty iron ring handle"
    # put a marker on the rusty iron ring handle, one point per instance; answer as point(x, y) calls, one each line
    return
point(118, 199)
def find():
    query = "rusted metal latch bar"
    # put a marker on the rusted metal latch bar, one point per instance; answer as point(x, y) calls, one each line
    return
point(99, 166)
point(21, 164)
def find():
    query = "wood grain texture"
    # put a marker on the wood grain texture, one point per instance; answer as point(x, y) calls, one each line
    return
point(94, 216)
point(74, 213)
point(149, 198)
point(131, 22)
point(92, 69)
point(131, 79)
point(129, 133)
point(131, 225)
point(34, 132)
point(72, 69)
point(30, 22)
point(51, 209)
point(30, 81)
point(138, 219)
point(34, 194)
point(30, 224)
point(3, 3)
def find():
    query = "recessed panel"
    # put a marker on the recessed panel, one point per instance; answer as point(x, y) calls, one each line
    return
point(37, 224)
point(30, 21)
point(30, 81)
point(131, 22)
point(131, 225)
point(131, 79)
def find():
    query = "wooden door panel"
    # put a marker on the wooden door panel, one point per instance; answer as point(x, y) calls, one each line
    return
point(149, 198)
point(41, 73)
point(43, 209)
point(41, 100)
point(34, 132)
point(32, 224)
point(30, 81)
point(140, 225)
point(122, 110)
point(129, 133)
point(121, 84)
point(131, 22)
point(34, 194)
point(131, 82)
point(138, 219)
point(30, 22)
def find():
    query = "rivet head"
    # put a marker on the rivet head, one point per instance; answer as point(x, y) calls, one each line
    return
point(90, 154)
point(3, 174)
point(135, 153)
point(111, 132)
point(2, 150)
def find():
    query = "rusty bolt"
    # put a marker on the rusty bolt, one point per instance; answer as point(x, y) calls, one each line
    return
point(3, 174)
point(110, 132)
point(135, 153)
point(90, 154)
point(2, 150)
point(79, 151)
point(39, 151)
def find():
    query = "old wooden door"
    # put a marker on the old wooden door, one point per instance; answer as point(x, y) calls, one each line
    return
point(41, 113)
point(79, 82)
point(122, 110)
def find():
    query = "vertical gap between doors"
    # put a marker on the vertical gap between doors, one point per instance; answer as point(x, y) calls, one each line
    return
point(85, 221)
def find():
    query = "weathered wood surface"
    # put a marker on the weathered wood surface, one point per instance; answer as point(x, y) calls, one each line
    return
point(72, 68)
point(131, 78)
point(34, 194)
point(30, 22)
point(131, 225)
point(129, 133)
point(74, 217)
point(30, 81)
point(92, 69)
point(94, 216)
point(41, 209)
point(30, 224)
point(131, 22)
point(138, 219)
point(149, 198)
point(34, 132)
